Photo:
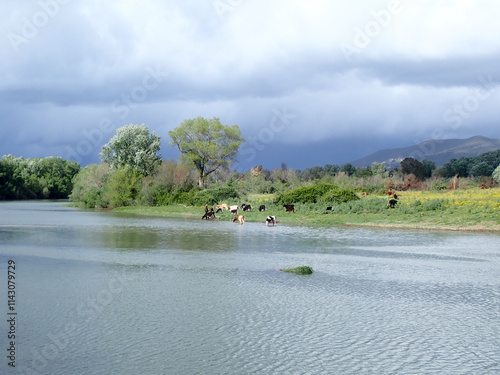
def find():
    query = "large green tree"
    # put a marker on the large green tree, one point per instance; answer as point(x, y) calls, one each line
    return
point(133, 147)
point(208, 144)
point(413, 166)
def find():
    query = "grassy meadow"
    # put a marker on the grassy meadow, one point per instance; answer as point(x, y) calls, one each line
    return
point(469, 209)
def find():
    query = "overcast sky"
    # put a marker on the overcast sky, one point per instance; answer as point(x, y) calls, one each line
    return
point(309, 82)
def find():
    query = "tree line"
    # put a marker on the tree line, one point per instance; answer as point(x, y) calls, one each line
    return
point(132, 172)
point(482, 165)
point(42, 178)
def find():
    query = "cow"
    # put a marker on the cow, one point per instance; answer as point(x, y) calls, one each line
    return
point(209, 214)
point(240, 219)
point(389, 192)
point(222, 207)
point(289, 208)
point(392, 203)
point(270, 220)
point(232, 208)
point(329, 208)
point(247, 207)
point(262, 208)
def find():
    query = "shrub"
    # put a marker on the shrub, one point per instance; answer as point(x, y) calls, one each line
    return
point(223, 193)
point(123, 187)
point(440, 185)
point(204, 197)
point(156, 195)
point(209, 197)
point(88, 186)
point(92, 197)
point(339, 196)
point(432, 205)
point(303, 194)
point(184, 197)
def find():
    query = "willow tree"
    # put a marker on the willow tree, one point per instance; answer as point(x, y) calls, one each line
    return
point(207, 143)
point(133, 147)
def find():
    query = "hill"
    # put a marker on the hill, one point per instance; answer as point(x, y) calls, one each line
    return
point(438, 151)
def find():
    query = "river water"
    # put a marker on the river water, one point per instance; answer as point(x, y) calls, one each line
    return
point(110, 293)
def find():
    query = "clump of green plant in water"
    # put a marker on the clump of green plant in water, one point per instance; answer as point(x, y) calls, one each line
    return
point(302, 270)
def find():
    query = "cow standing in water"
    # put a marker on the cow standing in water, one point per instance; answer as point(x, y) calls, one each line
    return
point(240, 219)
point(270, 220)
point(209, 214)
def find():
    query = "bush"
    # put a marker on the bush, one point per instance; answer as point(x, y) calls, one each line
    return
point(88, 186)
point(156, 195)
point(209, 197)
point(123, 187)
point(203, 197)
point(339, 196)
point(184, 197)
point(440, 185)
point(94, 197)
point(223, 193)
point(432, 205)
point(303, 194)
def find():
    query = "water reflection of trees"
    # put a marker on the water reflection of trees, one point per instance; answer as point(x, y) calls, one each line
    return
point(129, 238)
point(179, 239)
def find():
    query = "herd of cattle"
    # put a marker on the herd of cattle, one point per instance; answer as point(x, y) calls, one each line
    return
point(210, 213)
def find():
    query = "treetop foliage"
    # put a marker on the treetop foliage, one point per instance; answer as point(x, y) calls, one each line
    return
point(209, 144)
point(482, 165)
point(134, 147)
point(496, 174)
point(413, 166)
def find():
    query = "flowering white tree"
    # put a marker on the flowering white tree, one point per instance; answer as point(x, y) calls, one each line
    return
point(496, 174)
point(133, 147)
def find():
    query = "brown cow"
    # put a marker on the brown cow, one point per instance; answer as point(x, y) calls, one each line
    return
point(222, 206)
point(240, 219)
point(209, 214)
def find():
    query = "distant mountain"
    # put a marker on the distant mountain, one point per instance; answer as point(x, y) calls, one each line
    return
point(438, 151)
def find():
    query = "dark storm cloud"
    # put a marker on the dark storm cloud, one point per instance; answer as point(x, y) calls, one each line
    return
point(73, 72)
point(460, 71)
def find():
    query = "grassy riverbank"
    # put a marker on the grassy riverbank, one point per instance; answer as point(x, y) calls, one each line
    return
point(471, 210)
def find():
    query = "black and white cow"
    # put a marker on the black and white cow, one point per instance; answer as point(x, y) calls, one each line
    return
point(270, 220)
